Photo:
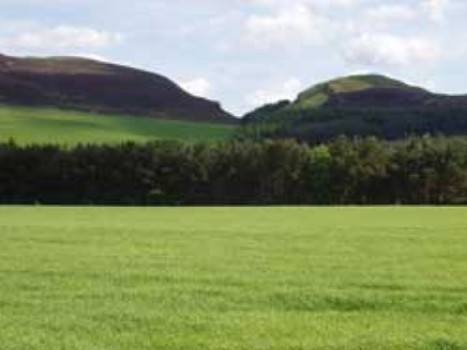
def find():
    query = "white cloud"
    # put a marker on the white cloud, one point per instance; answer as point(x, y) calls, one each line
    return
point(314, 3)
point(199, 87)
point(436, 8)
point(287, 90)
point(50, 2)
point(61, 37)
point(289, 26)
point(391, 13)
point(390, 50)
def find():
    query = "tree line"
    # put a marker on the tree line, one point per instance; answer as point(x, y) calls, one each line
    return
point(320, 125)
point(418, 170)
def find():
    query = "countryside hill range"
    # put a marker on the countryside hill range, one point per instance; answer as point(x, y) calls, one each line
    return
point(359, 105)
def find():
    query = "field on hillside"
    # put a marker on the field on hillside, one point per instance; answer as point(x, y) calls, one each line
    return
point(233, 278)
point(48, 125)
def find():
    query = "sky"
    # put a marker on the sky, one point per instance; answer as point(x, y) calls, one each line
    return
point(245, 53)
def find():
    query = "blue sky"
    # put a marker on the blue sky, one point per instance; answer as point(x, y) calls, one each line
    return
point(248, 52)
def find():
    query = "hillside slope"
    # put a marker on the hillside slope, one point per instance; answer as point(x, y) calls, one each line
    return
point(359, 106)
point(88, 85)
point(26, 125)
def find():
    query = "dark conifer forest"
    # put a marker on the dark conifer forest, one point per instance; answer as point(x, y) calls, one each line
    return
point(418, 170)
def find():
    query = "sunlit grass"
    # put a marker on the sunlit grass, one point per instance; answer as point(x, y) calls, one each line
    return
point(48, 125)
point(233, 278)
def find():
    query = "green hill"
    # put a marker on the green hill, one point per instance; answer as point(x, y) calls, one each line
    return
point(360, 105)
point(320, 94)
point(48, 125)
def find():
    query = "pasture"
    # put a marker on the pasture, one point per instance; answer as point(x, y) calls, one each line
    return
point(233, 278)
point(48, 125)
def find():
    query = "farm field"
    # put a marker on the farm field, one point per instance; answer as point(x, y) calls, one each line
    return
point(48, 125)
point(90, 278)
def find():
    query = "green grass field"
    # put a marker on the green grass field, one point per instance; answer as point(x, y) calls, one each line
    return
point(233, 278)
point(48, 125)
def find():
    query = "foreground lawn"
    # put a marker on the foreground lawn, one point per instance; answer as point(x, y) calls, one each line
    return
point(49, 125)
point(243, 278)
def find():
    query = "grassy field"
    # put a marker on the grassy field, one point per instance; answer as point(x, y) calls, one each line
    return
point(47, 125)
point(233, 278)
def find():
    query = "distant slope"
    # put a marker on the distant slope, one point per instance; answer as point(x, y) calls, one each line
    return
point(322, 94)
point(47, 125)
point(359, 106)
point(88, 85)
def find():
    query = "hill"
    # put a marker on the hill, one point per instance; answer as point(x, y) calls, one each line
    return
point(27, 125)
point(360, 105)
point(89, 85)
